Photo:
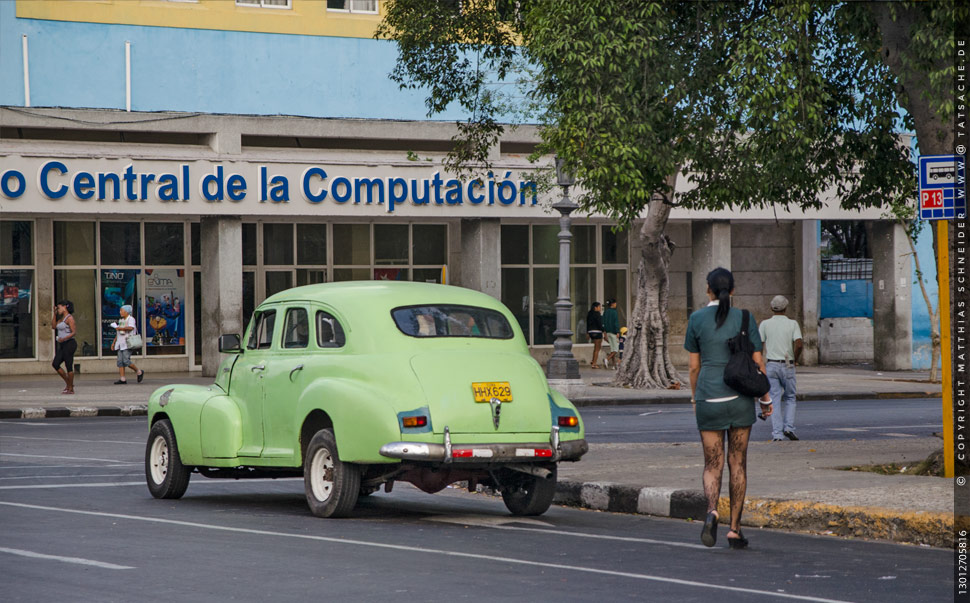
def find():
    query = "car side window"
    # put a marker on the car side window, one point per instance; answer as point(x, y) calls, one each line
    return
point(296, 329)
point(329, 332)
point(261, 337)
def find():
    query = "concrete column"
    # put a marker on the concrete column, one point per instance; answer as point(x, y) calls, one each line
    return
point(481, 252)
point(221, 286)
point(807, 275)
point(710, 249)
point(892, 319)
point(43, 288)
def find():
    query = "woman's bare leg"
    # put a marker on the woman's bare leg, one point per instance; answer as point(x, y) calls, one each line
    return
point(713, 443)
point(738, 469)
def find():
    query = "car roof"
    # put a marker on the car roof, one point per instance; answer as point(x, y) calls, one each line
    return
point(368, 296)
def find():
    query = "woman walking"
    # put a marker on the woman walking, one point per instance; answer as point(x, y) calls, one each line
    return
point(720, 411)
point(64, 343)
point(594, 330)
point(123, 328)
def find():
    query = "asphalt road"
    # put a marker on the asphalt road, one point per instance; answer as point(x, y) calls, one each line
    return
point(77, 523)
point(814, 420)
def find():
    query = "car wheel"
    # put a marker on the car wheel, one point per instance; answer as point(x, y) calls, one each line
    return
point(530, 495)
point(331, 485)
point(166, 475)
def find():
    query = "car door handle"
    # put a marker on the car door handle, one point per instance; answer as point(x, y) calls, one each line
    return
point(258, 367)
point(296, 368)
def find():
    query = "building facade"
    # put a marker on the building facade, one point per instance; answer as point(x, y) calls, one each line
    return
point(193, 158)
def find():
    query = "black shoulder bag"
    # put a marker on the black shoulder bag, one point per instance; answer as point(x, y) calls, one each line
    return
point(742, 374)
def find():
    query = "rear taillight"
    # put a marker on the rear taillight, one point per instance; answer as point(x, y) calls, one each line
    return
point(568, 421)
point(412, 422)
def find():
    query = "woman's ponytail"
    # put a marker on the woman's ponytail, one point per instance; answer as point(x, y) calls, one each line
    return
point(721, 283)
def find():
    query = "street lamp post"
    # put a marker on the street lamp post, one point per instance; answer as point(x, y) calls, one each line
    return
point(563, 365)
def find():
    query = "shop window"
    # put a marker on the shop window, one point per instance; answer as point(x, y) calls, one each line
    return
point(430, 244)
point(120, 244)
point(119, 287)
point(311, 244)
point(353, 6)
point(278, 280)
point(428, 275)
point(17, 246)
point(296, 329)
point(616, 246)
point(582, 292)
point(278, 244)
point(249, 244)
point(78, 286)
point(16, 318)
point(195, 243)
point(582, 250)
point(310, 276)
point(164, 243)
point(351, 274)
point(74, 244)
point(164, 311)
point(391, 244)
point(515, 294)
point(249, 297)
point(515, 244)
point(545, 288)
point(351, 245)
point(545, 244)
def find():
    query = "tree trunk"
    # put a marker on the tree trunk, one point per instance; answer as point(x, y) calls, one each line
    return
point(646, 358)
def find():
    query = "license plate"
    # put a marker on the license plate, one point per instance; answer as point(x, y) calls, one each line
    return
point(484, 392)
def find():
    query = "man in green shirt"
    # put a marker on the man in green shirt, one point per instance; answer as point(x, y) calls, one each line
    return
point(611, 327)
point(783, 347)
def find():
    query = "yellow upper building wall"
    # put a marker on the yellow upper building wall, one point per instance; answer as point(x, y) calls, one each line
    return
point(304, 17)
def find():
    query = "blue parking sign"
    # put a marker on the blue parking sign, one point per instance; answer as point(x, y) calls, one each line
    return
point(942, 187)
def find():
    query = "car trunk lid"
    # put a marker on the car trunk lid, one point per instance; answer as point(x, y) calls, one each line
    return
point(447, 378)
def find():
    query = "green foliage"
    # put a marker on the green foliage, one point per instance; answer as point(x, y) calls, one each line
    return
point(761, 102)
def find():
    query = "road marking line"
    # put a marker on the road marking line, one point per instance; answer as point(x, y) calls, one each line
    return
point(5, 467)
point(414, 549)
point(72, 476)
point(47, 456)
point(77, 560)
point(848, 429)
point(488, 523)
point(10, 437)
point(899, 435)
point(212, 482)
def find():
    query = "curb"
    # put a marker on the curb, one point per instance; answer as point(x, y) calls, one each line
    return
point(80, 411)
point(933, 529)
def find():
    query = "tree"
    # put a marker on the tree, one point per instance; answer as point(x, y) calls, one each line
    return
point(756, 103)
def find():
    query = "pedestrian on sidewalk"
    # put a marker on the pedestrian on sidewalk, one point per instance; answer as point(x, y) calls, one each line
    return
point(611, 327)
point(783, 348)
point(122, 330)
point(720, 411)
point(594, 330)
point(64, 343)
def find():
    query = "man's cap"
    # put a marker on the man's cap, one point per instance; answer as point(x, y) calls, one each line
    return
point(779, 303)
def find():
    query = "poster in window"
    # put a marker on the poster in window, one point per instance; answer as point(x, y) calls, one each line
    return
point(119, 287)
point(16, 321)
point(390, 274)
point(165, 310)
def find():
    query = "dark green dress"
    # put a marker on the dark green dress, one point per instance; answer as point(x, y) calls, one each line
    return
point(711, 343)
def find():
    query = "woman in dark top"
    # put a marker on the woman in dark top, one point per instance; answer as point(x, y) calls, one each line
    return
point(594, 330)
point(719, 409)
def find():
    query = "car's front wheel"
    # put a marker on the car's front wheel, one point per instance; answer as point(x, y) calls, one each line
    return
point(166, 475)
point(331, 485)
point(530, 494)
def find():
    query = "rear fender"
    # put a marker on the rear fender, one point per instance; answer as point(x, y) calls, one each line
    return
point(561, 406)
point(362, 415)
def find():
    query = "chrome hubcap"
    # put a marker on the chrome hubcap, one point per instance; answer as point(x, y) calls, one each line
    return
point(159, 460)
point(321, 474)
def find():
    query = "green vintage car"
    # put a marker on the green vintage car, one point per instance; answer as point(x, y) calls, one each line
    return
point(354, 386)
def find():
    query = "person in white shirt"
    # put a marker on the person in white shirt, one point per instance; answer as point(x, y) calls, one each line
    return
point(123, 328)
point(783, 347)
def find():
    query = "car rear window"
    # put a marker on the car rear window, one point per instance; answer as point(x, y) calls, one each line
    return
point(451, 321)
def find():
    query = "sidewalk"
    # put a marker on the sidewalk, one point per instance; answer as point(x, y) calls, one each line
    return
point(791, 485)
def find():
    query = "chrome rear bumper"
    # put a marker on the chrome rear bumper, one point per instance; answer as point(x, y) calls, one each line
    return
point(449, 452)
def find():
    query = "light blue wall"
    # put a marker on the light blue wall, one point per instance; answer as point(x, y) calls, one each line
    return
point(921, 318)
point(82, 65)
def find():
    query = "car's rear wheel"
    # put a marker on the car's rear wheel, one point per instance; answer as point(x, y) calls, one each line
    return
point(166, 475)
point(530, 494)
point(331, 485)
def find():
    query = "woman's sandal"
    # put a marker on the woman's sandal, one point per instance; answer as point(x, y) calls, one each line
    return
point(738, 543)
point(709, 531)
